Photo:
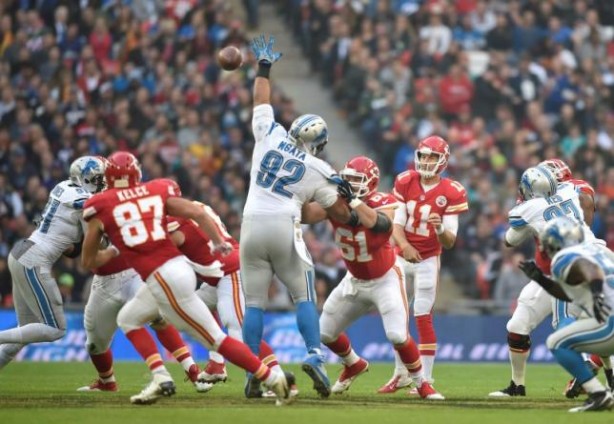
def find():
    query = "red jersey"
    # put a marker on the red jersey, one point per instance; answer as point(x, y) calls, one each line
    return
point(197, 245)
point(447, 197)
point(367, 255)
point(135, 221)
point(542, 260)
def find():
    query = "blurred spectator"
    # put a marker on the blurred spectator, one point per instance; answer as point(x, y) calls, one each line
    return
point(508, 84)
point(510, 282)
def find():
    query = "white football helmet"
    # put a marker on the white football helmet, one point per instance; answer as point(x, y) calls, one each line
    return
point(310, 131)
point(88, 173)
point(537, 181)
point(559, 233)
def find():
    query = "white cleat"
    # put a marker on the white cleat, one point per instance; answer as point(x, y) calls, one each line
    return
point(348, 375)
point(160, 385)
point(203, 386)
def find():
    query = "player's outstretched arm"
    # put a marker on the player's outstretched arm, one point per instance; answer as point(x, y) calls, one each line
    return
point(266, 57)
point(91, 256)
point(178, 206)
point(532, 271)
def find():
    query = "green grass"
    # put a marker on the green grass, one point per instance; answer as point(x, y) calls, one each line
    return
point(45, 393)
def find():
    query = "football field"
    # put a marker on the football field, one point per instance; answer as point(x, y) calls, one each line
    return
point(45, 393)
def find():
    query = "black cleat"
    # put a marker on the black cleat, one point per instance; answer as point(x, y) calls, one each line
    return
point(252, 388)
point(510, 391)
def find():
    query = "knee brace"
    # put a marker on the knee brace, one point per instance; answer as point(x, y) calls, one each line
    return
point(518, 342)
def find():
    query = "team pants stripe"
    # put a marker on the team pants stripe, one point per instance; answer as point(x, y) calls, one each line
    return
point(399, 273)
point(41, 297)
point(175, 305)
point(311, 290)
point(594, 335)
point(236, 296)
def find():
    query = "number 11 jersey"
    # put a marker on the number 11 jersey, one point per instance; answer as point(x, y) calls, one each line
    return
point(283, 177)
point(447, 197)
point(135, 221)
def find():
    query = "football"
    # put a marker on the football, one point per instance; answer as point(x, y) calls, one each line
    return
point(230, 58)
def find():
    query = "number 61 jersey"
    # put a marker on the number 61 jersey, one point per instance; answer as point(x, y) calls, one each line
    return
point(447, 197)
point(135, 221)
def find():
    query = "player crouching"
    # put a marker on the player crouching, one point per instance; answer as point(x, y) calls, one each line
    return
point(374, 279)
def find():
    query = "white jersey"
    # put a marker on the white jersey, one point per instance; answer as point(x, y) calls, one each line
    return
point(531, 216)
point(283, 177)
point(581, 294)
point(60, 226)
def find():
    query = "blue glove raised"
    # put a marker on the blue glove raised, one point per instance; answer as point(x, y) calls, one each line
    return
point(264, 51)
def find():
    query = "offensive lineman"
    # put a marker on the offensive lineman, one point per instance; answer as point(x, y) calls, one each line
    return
point(374, 279)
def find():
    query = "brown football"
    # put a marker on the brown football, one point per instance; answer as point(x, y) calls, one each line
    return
point(230, 58)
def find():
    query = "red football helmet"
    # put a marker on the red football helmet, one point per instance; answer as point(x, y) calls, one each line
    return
point(433, 145)
point(362, 174)
point(559, 168)
point(123, 170)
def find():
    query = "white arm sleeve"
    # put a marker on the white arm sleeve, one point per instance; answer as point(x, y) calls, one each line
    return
point(450, 223)
point(326, 196)
point(400, 215)
point(515, 236)
point(263, 121)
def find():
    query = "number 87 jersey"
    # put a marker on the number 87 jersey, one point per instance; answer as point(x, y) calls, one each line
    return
point(447, 197)
point(135, 220)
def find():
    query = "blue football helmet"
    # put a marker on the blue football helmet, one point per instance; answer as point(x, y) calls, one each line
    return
point(559, 233)
point(310, 132)
point(88, 173)
point(537, 181)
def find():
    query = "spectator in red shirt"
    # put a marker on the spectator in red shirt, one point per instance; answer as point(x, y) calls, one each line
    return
point(455, 91)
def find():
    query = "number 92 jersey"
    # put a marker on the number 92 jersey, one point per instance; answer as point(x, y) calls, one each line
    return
point(367, 255)
point(283, 177)
point(135, 221)
point(448, 197)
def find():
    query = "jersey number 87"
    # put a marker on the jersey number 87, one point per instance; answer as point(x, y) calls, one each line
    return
point(129, 218)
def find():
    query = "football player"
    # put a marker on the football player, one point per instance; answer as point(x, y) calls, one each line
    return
point(540, 202)
point(374, 279)
point(573, 198)
point(38, 302)
point(285, 173)
point(133, 215)
point(582, 273)
point(115, 285)
point(223, 294)
point(425, 222)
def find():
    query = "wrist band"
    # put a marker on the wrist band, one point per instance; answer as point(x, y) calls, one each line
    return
point(440, 230)
point(354, 203)
point(264, 69)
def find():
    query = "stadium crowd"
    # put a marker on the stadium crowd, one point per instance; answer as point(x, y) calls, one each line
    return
point(507, 84)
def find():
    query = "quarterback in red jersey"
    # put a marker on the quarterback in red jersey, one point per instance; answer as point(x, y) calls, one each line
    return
point(134, 218)
point(374, 278)
point(223, 293)
point(426, 221)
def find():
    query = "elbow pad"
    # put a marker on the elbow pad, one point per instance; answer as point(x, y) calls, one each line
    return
point(354, 220)
point(383, 224)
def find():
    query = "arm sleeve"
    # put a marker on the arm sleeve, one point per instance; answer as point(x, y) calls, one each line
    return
point(263, 121)
point(450, 223)
point(515, 236)
point(400, 215)
point(326, 196)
